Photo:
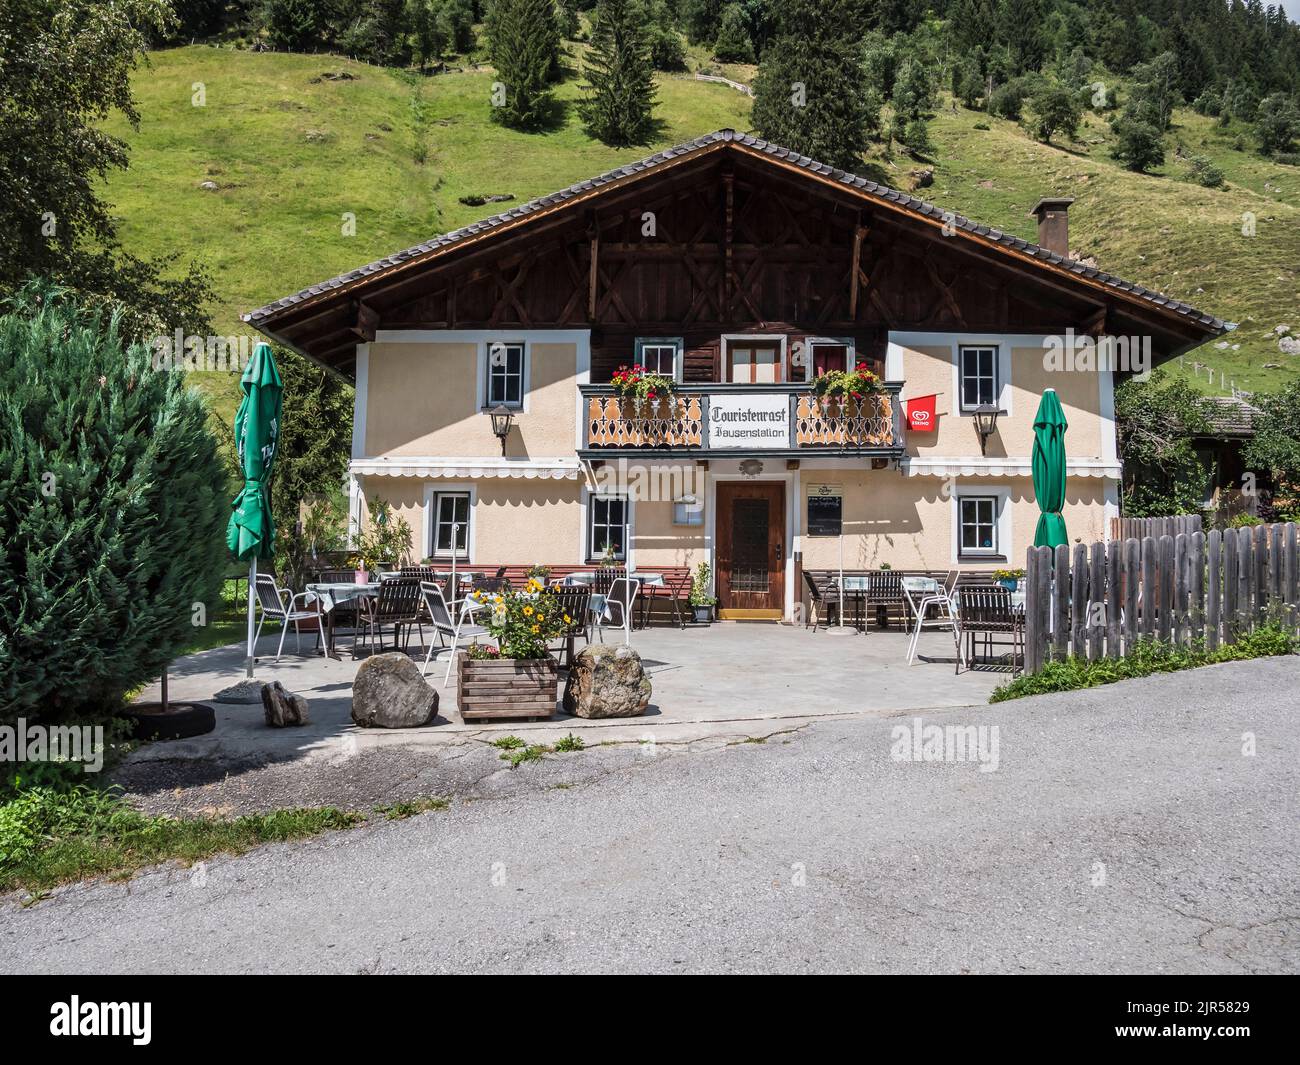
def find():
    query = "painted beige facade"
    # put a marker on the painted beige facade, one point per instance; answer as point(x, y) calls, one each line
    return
point(422, 428)
point(427, 399)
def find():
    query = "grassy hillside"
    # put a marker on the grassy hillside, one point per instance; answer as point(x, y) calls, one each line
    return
point(1159, 229)
point(292, 151)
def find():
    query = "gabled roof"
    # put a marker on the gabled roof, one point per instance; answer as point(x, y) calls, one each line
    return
point(722, 139)
point(1232, 416)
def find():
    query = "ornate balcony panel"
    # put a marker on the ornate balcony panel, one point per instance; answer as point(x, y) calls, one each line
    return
point(616, 422)
point(827, 421)
point(729, 420)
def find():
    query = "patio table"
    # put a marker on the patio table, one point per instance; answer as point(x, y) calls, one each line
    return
point(331, 595)
point(588, 578)
point(854, 588)
point(599, 601)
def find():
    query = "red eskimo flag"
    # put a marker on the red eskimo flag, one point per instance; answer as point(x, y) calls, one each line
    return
point(920, 413)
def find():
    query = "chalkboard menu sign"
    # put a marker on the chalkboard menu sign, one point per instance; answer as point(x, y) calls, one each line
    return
point(825, 509)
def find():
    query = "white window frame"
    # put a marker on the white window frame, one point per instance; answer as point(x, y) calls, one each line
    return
point(589, 521)
point(1002, 524)
point(995, 359)
point(900, 342)
point(486, 402)
point(432, 491)
point(676, 343)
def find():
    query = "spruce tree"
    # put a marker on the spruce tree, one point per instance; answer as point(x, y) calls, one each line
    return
point(808, 93)
point(618, 108)
point(701, 19)
point(733, 44)
point(524, 42)
point(111, 535)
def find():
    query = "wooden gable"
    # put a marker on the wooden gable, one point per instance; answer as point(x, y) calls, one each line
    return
point(720, 241)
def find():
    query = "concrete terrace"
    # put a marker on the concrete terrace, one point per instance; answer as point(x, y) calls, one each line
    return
point(730, 679)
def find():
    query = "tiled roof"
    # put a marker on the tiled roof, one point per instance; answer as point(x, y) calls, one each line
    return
point(786, 155)
point(1232, 416)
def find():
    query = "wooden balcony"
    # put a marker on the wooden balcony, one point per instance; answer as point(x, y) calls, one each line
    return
point(741, 421)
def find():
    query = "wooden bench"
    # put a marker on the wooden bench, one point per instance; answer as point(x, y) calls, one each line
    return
point(676, 580)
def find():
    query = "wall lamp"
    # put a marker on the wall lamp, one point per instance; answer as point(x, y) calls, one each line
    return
point(501, 419)
point(986, 423)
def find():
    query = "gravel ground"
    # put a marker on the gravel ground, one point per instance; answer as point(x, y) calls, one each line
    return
point(470, 770)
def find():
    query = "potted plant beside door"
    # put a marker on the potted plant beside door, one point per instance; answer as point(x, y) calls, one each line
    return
point(700, 600)
point(517, 678)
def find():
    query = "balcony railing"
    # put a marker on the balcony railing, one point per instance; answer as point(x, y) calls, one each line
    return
point(742, 420)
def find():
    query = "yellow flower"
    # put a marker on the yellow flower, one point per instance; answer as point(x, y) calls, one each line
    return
point(568, 620)
point(500, 599)
point(534, 585)
point(528, 611)
point(537, 628)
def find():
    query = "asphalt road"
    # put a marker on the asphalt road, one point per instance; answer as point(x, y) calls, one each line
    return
point(1124, 830)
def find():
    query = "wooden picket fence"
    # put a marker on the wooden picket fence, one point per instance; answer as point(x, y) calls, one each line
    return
point(1098, 601)
point(1137, 528)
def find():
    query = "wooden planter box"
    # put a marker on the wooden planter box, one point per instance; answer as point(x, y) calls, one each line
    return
point(509, 688)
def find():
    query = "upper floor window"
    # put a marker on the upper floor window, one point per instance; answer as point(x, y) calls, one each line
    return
point(661, 355)
point(753, 360)
point(979, 376)
point(505, 375)
point(828, 355)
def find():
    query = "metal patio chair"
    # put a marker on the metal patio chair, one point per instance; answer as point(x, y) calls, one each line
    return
point(397, 604)
point(574, 601)
point(986, 610)
point(618, 605)
point(445, 625)
point(924, 595)
point(674, 590)
point(822, 595)
point(278, 604)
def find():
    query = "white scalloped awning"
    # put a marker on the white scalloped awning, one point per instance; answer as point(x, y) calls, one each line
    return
point(1003, 467)
point(468, 470)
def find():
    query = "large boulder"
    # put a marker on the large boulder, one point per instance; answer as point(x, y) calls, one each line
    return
point(283, 707)
point(389, 692)
point(607, 681)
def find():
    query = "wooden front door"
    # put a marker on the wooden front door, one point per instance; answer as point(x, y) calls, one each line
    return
point(751, 549)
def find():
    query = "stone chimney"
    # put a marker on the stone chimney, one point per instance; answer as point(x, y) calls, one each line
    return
point(1052, 213)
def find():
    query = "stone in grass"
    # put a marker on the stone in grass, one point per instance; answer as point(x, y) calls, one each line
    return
point(607, 681)
point(283, 707)
point(388, 692)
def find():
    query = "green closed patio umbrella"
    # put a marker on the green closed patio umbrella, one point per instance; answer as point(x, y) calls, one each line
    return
point(1049, 470)
point(251, 532)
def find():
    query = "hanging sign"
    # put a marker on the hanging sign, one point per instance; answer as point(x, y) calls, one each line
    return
point(825, 509)
point(920, 414)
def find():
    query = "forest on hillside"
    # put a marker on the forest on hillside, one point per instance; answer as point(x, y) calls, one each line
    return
point(868, 70)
